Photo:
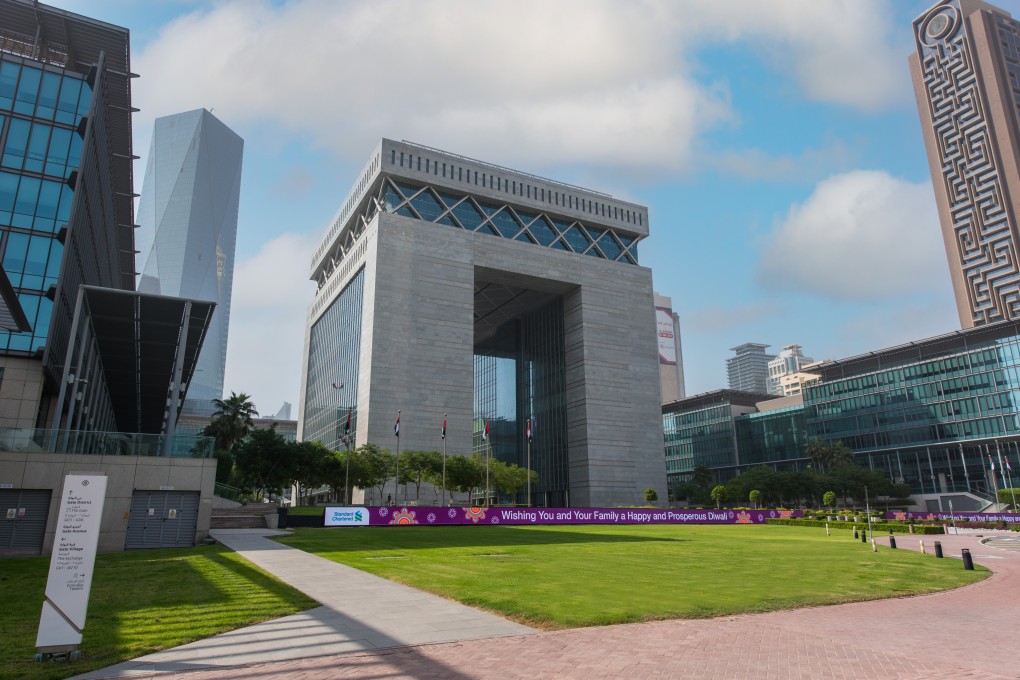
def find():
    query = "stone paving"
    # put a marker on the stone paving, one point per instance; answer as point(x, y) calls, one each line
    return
point(969, 632)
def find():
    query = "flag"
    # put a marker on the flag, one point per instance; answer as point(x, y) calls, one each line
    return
point(1008, 466)
point(528, 433)
point(992, 463)
point(444, 427)
point(396, 426)
point(347, 425)
point(485, 432)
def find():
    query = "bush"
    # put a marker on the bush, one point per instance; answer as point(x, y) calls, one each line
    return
point(1006, 495)
point(650, 495)
point(877, 527)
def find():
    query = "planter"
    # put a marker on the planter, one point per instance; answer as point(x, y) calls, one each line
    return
point(272, 521)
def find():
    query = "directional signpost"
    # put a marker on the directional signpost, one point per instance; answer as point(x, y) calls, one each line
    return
point(71, 566)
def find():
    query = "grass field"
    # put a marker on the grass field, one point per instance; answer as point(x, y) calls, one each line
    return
point(140, 602)
point(566, 576)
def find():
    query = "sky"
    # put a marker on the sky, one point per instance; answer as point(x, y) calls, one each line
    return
point(776, 145)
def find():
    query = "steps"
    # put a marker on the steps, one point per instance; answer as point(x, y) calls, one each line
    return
point(250, 516)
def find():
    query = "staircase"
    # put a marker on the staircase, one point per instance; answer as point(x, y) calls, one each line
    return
point(250, 516)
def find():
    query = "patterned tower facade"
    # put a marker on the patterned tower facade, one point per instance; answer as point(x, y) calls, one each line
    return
point(966, 74)
point(188, 218)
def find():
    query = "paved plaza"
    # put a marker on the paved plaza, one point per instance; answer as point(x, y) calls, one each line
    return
point(969, 632)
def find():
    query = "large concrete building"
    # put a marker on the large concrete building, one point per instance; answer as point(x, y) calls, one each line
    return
point(188, 228)
point(965, 73)
point(452, 286)
point(788, 364)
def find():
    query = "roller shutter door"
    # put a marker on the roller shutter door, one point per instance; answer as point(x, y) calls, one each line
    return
point(162, 519)
point(23, 515)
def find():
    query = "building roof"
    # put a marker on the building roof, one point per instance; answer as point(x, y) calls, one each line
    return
point(918, 350)
point(732, 397)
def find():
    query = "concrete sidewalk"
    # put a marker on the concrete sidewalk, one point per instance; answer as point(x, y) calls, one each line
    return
point(360, 612)
point(964, 633)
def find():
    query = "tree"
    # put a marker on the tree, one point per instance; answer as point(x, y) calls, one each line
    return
point(702, 476)
point(829, 499)
point(231, 421)
point(419, 466)
point(719, 495)
point(308, 464)
point(827, 456)
point(651, 495)
point(264, 461)
point(374, 466)
point(508, 478)
point(755, 497)
point(463, 473)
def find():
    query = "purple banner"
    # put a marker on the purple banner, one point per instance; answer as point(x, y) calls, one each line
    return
point(425, 515)
point(959, 516)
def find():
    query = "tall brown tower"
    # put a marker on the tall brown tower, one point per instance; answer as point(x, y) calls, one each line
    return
point(966, 74)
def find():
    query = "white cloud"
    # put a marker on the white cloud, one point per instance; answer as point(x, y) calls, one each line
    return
point(717, 318)
point(860, 235)
point(267, 321)
point(582, 81)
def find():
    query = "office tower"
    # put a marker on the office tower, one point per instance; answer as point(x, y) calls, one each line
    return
point(188, 218)
point(748, 371)
point(789, 362)
point(452, 286)
point(667, 336)
point(965, 73)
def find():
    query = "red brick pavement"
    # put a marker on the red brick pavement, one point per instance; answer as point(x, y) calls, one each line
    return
point(965, 633)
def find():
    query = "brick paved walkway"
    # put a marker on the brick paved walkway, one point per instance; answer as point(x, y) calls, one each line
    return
point(965, 633)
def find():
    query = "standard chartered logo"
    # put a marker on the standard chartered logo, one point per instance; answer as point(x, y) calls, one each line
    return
point(352, 516)
point(357, 515)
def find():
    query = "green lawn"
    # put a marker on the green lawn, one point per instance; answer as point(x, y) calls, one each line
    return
point(140, 602)
point(568, 576)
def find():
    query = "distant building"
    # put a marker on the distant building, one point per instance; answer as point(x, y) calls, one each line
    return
point(789, 362)
point(966, 83)
point(188, 218)
point(935, 414)
point(748, 371)
point(671, 360)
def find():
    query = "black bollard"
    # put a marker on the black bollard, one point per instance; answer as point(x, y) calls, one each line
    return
point(968, 563)
point(938, 549)
point(864, 536)
point(855, 534)
point(892, 541)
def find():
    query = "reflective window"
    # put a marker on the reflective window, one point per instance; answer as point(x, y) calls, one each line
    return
point(8, 84)
point(28, 89)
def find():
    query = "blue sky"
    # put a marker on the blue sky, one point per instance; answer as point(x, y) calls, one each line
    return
point(776, 144)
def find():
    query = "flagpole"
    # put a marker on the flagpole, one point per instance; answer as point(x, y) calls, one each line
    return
point(1002, 468)
point(488, 455)
point(396, 463)
point(347, 451)
point(528, 433)
point(444, 459)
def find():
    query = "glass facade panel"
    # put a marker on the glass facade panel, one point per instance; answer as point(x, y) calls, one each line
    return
point(416, 201)
point(334, 350)
point(520, 372)
point(40, 148)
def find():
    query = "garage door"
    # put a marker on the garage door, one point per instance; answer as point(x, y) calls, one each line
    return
point(162, 519)
point(23, 519)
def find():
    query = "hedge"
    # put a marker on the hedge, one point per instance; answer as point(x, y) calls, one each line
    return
point(877, 527)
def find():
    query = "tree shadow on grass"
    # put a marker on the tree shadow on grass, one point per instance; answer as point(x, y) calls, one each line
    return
point(355, 539)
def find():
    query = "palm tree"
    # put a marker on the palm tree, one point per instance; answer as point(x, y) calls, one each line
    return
point(231, 421)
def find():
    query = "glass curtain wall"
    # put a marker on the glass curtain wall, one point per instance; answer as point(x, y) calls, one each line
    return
point(331, 390)
point(40, 109)
point(520, 373)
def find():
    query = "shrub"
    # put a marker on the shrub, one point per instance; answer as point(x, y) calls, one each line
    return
point(650, 495)
point(877, 527)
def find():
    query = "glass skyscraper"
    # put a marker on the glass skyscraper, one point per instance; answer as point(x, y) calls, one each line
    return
point(188, 218)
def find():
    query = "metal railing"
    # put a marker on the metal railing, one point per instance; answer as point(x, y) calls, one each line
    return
point(35, 440)
point(231, 493)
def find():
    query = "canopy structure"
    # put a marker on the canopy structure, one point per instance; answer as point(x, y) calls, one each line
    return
point(12, 316)
point(130, 360)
